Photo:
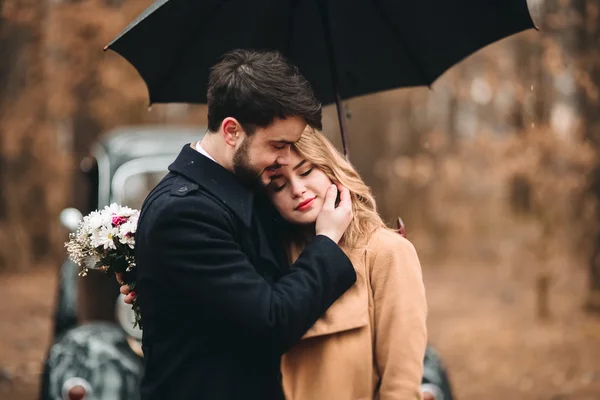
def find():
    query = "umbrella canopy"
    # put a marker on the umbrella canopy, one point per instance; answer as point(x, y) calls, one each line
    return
point(344, 48)
point(375, 45)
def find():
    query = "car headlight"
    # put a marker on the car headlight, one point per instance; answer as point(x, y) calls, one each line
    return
point(76, 389)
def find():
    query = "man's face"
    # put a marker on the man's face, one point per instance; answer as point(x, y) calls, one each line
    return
point(261, 154)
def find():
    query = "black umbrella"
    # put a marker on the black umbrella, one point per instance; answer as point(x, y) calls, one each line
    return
point(345, 48)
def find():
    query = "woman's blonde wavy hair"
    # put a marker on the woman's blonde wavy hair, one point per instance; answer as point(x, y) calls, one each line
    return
point(314, 147)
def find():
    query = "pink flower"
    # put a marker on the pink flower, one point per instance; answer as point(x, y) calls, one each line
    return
point(118, 220)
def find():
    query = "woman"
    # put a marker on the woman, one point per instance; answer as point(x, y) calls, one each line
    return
point(370, 343)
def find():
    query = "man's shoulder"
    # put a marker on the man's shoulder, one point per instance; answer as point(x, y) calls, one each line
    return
point(180, 190)
point(178, 195)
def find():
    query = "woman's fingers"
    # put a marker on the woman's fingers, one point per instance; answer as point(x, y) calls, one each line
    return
point(345, 200)
point(129, 298)
point(124, 289)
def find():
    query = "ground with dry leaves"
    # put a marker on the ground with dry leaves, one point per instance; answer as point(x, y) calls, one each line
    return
point(482, 319)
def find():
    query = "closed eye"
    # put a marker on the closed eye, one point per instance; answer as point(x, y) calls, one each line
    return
point(279, 188)
point(280, 144)
point(307, 172)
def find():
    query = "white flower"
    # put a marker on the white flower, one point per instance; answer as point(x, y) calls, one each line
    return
point(127, 229)
point(128, 240)
point(104, 237)
point(107, 215)
point(92, 222)
point(134, 221)
point(111, 209)
point(126, 212)
point(126, 232)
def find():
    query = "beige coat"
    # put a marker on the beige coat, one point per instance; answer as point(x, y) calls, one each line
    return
point(371, 342)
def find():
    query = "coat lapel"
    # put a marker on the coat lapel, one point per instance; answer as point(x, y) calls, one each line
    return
point(350, 311)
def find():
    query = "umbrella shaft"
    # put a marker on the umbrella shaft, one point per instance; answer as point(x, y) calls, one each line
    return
point(324, 10)
point(343, 125)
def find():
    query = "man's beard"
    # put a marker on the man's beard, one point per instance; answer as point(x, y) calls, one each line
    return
point(242, 167)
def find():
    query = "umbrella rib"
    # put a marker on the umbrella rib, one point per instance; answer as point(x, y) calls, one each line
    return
point(333, 71)
point(411, 55)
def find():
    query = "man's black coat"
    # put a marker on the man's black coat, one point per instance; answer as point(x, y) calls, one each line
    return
point(219, 307)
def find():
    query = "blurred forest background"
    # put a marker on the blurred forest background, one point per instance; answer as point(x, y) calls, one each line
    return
point(494, 170)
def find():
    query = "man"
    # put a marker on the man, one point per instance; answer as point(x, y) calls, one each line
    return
point(237, 307)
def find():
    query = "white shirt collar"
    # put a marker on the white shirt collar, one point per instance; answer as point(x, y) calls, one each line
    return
point(201, 150)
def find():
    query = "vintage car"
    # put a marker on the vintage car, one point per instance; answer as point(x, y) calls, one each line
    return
point(95, 352)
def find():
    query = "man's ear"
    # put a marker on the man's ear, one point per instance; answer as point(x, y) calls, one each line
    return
point(232, 131)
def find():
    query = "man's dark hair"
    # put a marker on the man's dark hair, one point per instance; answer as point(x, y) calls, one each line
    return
point(257, 87)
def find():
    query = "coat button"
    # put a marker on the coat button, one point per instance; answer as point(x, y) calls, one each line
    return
point(183, 189)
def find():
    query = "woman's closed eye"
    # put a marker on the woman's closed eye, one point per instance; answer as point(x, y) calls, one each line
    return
point(307, 172)
point(278, 188)
point(277, 184)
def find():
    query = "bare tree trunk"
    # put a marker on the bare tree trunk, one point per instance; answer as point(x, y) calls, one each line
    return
point(588, 35)
point(26, 143)
point(591, 104)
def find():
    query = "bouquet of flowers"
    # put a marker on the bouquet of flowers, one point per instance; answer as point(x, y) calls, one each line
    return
point(105, 240)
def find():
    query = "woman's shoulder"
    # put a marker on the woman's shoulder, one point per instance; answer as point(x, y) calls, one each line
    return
point(385, 237)
point(386, 243)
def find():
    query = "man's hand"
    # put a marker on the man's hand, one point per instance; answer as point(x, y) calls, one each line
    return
point(124, 289)
point(333, 221)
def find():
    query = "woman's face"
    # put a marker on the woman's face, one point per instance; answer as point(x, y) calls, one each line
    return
point(298, 190)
